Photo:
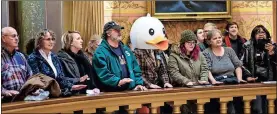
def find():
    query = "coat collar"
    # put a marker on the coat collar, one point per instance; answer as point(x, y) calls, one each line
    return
point(106, 45)
point(65, 56)
point(6, 51)
point(176, 49)
point(39, 56)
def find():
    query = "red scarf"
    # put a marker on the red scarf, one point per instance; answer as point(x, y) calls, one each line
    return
point(228, 42)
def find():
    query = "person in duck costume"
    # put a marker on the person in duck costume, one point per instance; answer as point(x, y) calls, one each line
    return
point(148, 39)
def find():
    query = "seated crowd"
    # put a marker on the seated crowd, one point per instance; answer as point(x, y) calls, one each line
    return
point(203, 57)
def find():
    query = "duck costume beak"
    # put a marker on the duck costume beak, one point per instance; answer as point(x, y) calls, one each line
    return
point(159, 42)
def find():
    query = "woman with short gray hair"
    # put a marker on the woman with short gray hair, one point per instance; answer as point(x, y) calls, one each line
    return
point(222, 63)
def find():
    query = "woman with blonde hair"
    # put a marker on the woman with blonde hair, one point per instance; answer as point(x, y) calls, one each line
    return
point(44, 61)
point(75, 63)
point(92, 45)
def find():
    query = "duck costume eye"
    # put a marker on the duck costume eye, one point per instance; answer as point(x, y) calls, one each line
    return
point(151, 31)
point(148, 33)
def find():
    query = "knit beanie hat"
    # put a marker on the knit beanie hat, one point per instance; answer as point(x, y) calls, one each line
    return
point(187, 35)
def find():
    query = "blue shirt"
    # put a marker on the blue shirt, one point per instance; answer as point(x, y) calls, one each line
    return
point(122, 61)
point(14, 70)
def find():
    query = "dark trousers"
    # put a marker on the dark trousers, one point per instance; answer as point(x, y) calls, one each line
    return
point(259, 105)
point(213, 107)
point(166, 109)
point(189, 108)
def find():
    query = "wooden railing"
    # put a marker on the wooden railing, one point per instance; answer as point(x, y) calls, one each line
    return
point(156, 97)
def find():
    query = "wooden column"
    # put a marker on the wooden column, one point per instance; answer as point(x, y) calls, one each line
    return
point(200, 105)
point(155, 106)
point(31, 19)
point(223, 104)
point(247, 100)
point(271, 106)
point(177, 105)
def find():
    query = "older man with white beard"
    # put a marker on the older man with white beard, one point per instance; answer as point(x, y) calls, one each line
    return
point(116, 66)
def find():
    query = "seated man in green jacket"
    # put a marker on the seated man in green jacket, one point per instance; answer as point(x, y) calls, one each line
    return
point(115, 64)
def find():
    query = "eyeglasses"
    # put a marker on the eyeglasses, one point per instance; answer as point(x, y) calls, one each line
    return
point(191, 43)
point(206, 31)
point(260, 32)
point(13, 35)
point(48, 39)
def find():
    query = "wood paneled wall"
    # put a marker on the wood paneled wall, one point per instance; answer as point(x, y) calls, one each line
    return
point(247, 14)
point(175, 28)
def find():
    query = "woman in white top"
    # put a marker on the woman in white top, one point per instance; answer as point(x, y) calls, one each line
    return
point(44, 61)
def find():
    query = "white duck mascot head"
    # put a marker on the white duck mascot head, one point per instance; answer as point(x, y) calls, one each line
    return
point(148, 33)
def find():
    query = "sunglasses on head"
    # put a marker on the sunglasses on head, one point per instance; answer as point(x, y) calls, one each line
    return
point(72, 31)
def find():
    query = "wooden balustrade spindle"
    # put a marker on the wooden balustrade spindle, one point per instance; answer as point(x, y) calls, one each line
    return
point(200, 105)
point(177, 105)
point(155, 106)
point(133, 107)
point(247, 100)
point(154, 110)
point(223, 107)
point(89, 110)
point(111, 109)
point(223, 104)
point(176, 109)
point(271, 106)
